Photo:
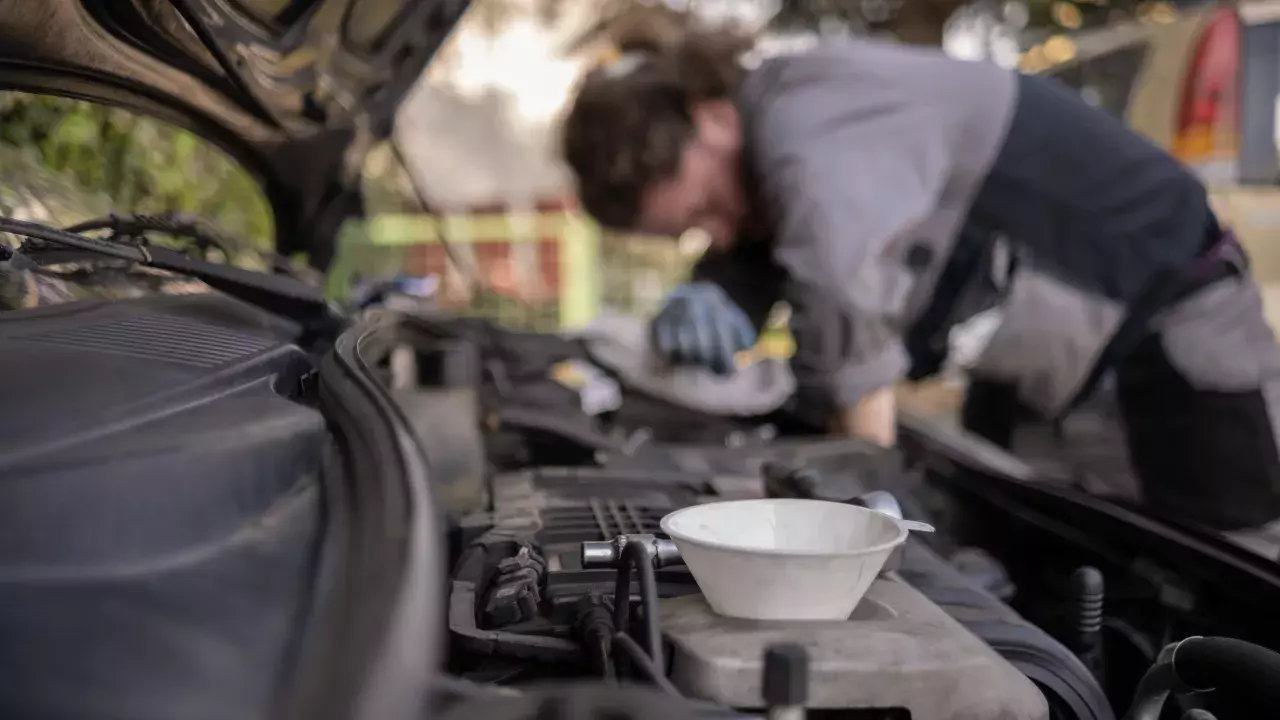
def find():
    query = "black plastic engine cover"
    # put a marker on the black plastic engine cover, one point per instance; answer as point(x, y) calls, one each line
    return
point(845, 466)
point(159, 508)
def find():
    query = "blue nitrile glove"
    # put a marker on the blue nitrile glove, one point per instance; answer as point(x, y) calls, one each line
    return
point(375, 293)
point(700, 325)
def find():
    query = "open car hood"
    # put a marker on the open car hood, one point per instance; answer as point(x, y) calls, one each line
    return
point(296, 90)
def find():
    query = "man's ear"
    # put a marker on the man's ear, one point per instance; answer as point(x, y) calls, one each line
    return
point(717, 123)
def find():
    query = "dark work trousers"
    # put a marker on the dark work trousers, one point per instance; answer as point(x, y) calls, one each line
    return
point(1204, 455)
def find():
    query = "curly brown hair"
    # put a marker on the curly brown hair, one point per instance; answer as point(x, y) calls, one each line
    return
point(627, 128)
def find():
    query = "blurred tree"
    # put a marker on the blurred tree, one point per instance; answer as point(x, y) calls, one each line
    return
point(921, 22)
point(815, 14)
point(918, 22)
point(624, 22)
point(132, 163)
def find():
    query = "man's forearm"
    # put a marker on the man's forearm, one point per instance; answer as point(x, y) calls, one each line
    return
point(873, 418)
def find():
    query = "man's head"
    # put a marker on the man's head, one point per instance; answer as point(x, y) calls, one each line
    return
point(654, 140)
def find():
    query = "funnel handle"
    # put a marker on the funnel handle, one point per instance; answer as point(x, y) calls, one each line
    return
point(917, 526)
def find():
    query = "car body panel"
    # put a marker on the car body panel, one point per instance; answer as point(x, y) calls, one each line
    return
point(1148, 96)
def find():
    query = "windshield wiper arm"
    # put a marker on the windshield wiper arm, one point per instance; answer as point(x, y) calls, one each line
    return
point(45, 233)
point(276, 293)
point(177, 225)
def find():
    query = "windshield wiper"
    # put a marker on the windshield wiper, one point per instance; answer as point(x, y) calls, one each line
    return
point(279, 294)
point(204, 235)
point(201, 233)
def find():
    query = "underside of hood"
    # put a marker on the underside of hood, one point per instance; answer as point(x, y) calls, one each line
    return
point(295, 89)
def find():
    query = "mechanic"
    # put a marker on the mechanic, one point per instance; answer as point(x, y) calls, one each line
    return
point(902, 184)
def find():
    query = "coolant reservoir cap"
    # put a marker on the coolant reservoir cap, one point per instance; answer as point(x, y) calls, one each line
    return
point(786, 675)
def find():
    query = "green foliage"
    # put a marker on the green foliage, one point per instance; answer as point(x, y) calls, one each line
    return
point(109, 159)
point(508, 311)
point(637, 272)
point(811, 14)
point(387, 189)
point(386, 184)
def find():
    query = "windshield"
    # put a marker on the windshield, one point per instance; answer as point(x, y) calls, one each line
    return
point(65, 161)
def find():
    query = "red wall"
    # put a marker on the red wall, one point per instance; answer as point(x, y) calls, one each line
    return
point(491, 256)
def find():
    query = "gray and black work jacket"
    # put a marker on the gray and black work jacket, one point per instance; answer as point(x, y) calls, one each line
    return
point(892, 174)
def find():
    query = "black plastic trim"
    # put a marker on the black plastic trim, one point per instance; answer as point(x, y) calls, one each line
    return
point(382, 629)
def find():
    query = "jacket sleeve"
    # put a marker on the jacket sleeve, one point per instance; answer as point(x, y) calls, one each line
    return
point(847, 176)
point(821, 333)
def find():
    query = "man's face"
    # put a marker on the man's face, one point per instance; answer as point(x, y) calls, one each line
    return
point(707, 191)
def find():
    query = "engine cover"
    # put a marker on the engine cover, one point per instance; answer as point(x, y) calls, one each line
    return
point(899, 651)
point(160, 509)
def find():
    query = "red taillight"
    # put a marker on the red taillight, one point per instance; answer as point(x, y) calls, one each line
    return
point(1207, 116)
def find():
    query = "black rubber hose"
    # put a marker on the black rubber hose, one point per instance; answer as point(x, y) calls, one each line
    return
point(1229, 666)
point(1236, 669)
point(594, 627)
point(642, 559)
point(642, 660)
point(638, 555)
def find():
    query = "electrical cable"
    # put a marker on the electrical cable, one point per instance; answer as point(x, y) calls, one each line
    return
point(604, 656)
point(593, 625)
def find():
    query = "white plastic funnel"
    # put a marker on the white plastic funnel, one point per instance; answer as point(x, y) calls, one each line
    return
point(784, 559)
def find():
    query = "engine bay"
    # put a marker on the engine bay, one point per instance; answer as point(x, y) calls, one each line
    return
point(523, 604)
point(1057, 622)
point(220, 468)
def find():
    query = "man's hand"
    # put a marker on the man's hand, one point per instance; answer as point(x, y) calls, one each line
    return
point(873, 418)
point(700, 325)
